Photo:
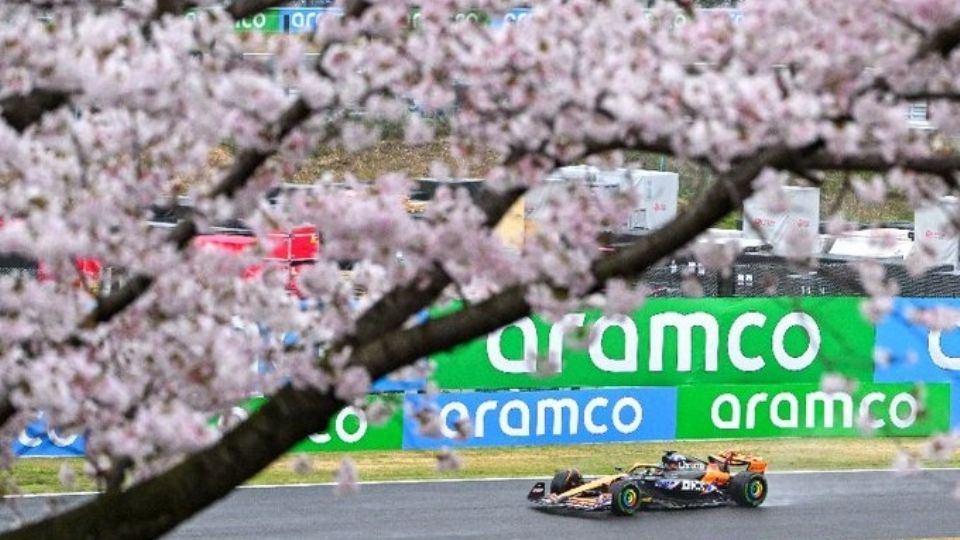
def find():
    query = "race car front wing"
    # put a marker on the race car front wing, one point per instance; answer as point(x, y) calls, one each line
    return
point(540, 498)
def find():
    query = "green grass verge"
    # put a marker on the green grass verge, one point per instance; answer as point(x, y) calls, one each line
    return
point(41, 475)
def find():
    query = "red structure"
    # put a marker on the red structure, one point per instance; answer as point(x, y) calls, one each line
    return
point(289, 250)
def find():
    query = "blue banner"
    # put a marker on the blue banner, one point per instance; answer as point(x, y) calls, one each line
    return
point(387, 384)
point(543, 418)
point(296, 20)
point(39, 441)
point(514, 16)
point(908, 352)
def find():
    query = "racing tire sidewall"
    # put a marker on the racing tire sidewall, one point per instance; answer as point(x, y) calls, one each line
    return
point(625, 498)
point(565, 480)
point(749, 489)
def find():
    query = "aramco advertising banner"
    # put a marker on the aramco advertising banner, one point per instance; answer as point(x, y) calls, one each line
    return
point(39, 440)
point(295, 20)
point(804, 410)
point(675, 369)
point(546, 417)
point(350, 429)
point(614, 415)
point(671, 342)
point(911, 353)
point(307, 19)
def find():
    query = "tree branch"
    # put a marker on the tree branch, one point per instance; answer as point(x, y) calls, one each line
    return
point(289, 416)
point(240, 9)
point(401, 303)
point(249, 160)
point(171, 7)
point(156, 506)
point(20, 111)
point(929, 96)
point(941, 42)
point(935, 165)
point(724, 196)
point(244, 166)
point(7, 410)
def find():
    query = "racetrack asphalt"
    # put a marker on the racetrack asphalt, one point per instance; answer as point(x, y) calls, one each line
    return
point(852, 505)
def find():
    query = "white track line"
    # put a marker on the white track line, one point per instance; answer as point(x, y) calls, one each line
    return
point(451, 480)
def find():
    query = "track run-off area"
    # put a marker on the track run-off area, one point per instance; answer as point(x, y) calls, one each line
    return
point(802, 505)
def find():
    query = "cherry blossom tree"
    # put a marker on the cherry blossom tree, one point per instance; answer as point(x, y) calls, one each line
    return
point(109, 107)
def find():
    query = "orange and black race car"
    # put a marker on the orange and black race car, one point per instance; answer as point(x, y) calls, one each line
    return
point(677, 481)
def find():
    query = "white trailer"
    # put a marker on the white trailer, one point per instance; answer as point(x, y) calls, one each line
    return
point(657, 193)
point(785, 229)
point(935, 226)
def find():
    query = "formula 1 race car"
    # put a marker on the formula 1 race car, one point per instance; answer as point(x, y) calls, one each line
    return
point(677, 481)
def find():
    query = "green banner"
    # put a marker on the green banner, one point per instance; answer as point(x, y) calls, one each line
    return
point(791, 410)
point(672, 342)
point(268, 22)
point(350, 430)
point(306, 19)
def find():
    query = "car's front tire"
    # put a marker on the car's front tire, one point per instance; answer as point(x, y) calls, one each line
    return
point(625, 497)
point(565, 480)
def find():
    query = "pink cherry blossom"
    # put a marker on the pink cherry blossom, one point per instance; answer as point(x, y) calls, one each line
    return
point(905, 463)
point(347, 478)
point(67, 476)
point(691, 286)
point(378, 412)
point(353, 384)
point(448, 460)
point(936, 318)
point(940, 447)
point(464, 427)
point(832, 383)
point(301, 465)
point(624, 298)
point(866, 424)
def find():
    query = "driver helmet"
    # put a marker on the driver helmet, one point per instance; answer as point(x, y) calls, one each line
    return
point(673, 460)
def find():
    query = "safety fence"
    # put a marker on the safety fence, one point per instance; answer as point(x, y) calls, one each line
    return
point(763, 275)
point(677, 368)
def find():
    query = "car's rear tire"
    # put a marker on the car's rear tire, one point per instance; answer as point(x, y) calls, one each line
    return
point(625, 498)
point(565, 481)
point(748, 489)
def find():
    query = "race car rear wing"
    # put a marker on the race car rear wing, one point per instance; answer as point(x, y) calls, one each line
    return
point(733, 458)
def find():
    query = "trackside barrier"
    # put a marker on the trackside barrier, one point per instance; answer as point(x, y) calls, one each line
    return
point(910, 353)
point(614, 415)
point(804, 410)
point(670, 342)
point(675, 369)
point(37, 440)
point(547, 417)
point(293, 20)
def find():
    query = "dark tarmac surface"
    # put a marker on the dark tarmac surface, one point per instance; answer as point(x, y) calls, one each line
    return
point(855, 505)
